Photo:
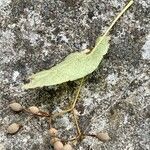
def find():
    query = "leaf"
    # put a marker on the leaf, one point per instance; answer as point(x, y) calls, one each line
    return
point(75, 66)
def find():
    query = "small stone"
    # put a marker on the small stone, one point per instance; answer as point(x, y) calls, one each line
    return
point(53, 132)
point(15, 107)
point(13, 128)
point(67, 147)
point(33, 109)
point(58, 145)
point(53, 140)
point(103, 136)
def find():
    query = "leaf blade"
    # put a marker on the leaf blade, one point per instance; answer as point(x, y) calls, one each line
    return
point(74, 66)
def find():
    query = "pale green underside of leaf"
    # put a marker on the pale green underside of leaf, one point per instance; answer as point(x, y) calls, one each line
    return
point(75, 66)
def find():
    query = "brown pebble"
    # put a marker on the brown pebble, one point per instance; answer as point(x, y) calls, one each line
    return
point(53, 140)
point(67, 147)
point(103, 136)
point(15, 107)
point(13, 128)
point(53, 132)
point(33, 109)
point(58, 145)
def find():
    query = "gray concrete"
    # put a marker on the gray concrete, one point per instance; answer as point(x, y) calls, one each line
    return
point(37, 34)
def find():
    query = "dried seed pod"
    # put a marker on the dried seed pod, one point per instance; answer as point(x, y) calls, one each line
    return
point(67, 147)
point(33, 109)
point(103, 136)
point(15, 107)
point(53, 132)
point(13, 128)
point(53, 140)
point(58, 145)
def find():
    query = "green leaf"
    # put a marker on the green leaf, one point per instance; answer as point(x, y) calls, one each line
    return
point(75, 66)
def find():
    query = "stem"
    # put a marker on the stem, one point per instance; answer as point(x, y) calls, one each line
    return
point(74, 102)
point(78, 92)
point(76, 123)
point(113, 23)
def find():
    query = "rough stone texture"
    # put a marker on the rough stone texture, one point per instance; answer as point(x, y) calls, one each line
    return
point(37, 34)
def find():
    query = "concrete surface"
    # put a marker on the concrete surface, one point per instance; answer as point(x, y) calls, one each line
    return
point(37, 34)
